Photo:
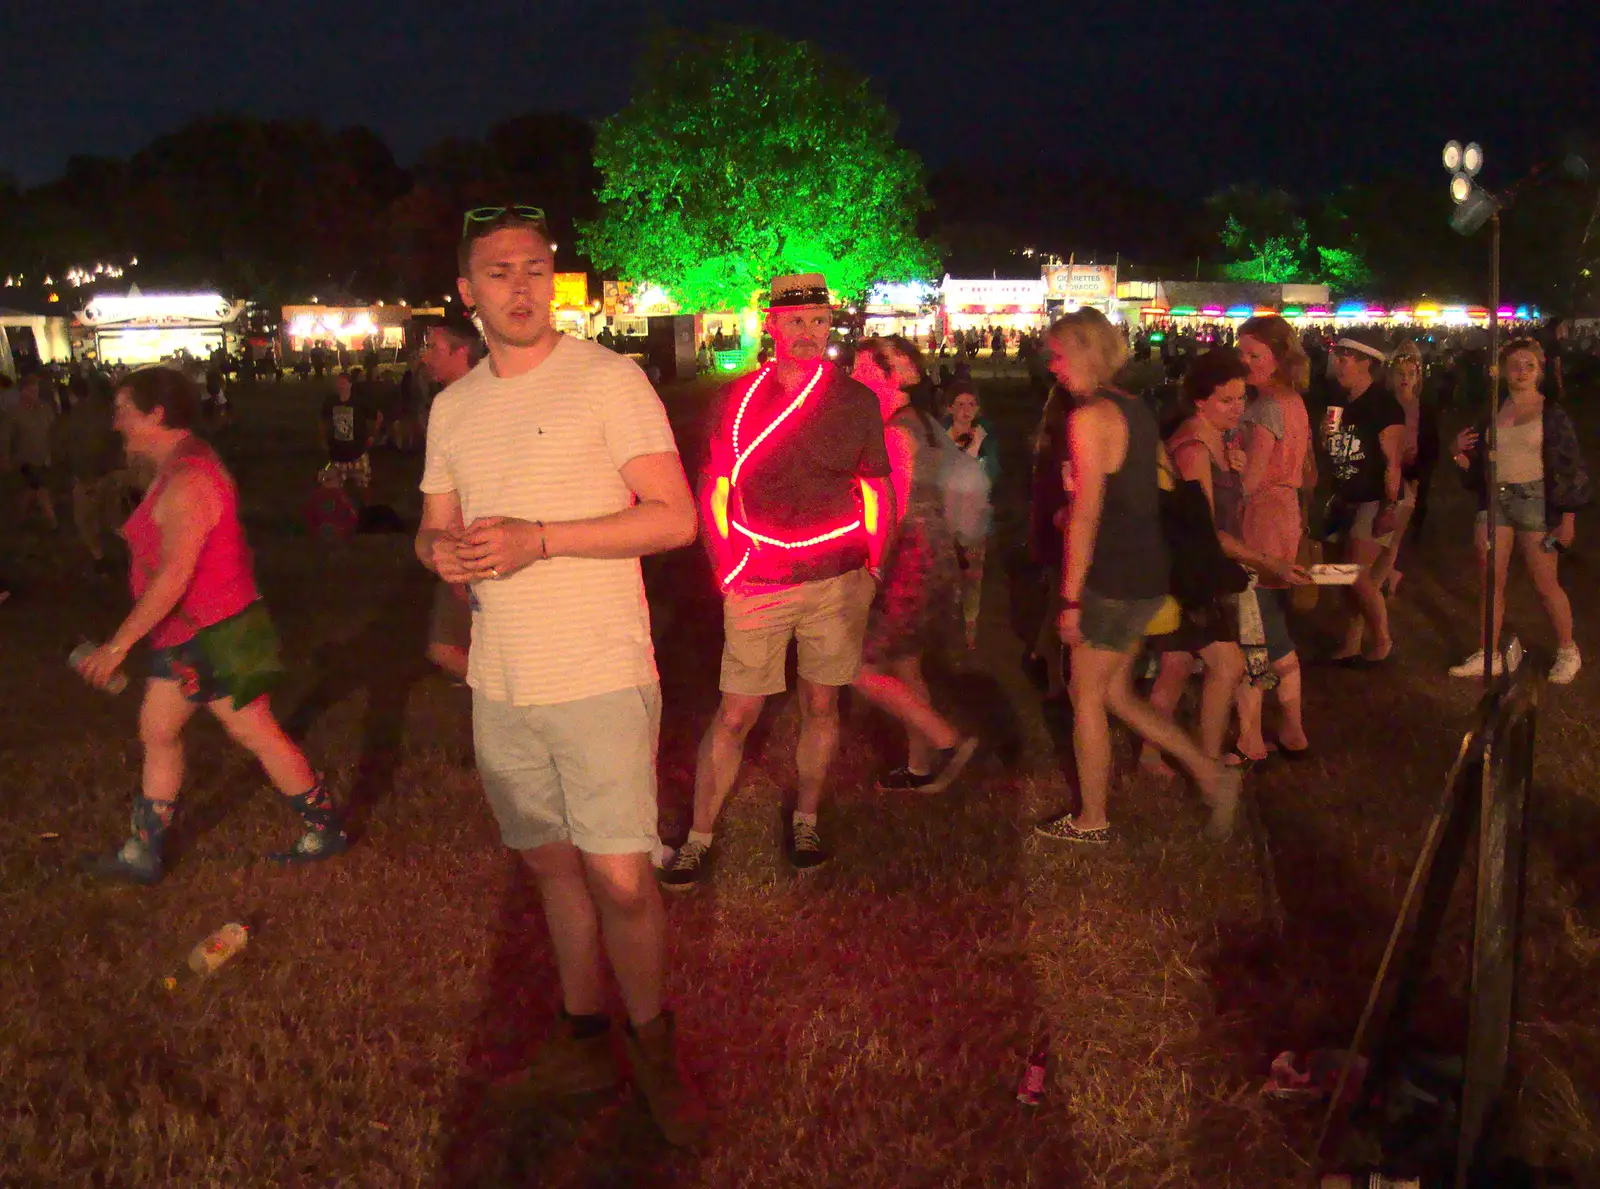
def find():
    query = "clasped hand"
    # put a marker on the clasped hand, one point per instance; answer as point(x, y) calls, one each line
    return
point(489, 548)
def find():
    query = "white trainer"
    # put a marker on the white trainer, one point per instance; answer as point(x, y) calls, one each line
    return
point(1473, 666)
point(1568, 662)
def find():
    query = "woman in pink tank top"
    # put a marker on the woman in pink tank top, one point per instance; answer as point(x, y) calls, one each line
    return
point(211, 641)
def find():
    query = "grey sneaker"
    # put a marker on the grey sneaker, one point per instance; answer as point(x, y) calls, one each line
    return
point(134, 863)
point(687, 867)
point(805, 848)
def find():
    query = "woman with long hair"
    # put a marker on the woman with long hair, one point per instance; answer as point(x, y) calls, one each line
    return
point(970, 433)
point(1202, 449)
point(1115, 577)
point(1419, 455)
point(917, 608)
point(1279, 465)
point(1541, 482)
point(211, 641)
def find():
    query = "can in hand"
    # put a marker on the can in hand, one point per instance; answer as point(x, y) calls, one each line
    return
point(119, 680)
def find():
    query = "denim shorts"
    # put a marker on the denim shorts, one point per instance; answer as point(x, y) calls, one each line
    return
point(1518, 505)
point(188, 665)
point(1116, 625)
point(1274, 604)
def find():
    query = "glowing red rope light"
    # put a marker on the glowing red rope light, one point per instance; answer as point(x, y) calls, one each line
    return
point(740, 457)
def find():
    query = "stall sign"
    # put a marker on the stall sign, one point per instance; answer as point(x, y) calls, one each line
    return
point(1081, 282)
point(572, 289)
point(981, 296)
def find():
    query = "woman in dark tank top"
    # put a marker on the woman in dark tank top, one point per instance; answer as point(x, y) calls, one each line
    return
point(1114, 576)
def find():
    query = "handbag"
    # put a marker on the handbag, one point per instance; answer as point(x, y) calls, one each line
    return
point(1201, 572)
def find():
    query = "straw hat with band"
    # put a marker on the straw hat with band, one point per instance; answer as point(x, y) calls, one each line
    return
point(799, 289)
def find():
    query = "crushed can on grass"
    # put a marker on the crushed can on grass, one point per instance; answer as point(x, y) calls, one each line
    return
point(1030, 1089)
point(213, 953)
point(119, 679)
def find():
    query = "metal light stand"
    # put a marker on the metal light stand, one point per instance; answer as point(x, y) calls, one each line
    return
point(1490, 459)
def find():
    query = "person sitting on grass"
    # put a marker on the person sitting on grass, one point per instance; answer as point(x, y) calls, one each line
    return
point(1115, 577)
point(212, 642)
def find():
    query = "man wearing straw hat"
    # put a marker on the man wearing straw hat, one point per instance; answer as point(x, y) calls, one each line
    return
point(798, 504)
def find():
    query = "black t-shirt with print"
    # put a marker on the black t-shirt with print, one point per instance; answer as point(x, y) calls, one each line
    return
point(805, 479)
point(348, 425)
point(1355, 452)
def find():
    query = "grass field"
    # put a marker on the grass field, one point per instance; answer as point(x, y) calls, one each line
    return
point(862, 1026)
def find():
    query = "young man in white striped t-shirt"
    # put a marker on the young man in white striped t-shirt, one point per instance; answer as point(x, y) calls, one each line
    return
point(550, 471)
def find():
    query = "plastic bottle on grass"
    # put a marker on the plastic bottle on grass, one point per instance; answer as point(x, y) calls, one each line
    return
point(119, 680)
point(214, 952)
point(1030, 1089)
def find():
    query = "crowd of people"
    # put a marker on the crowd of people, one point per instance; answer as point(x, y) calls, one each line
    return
point(844, 509)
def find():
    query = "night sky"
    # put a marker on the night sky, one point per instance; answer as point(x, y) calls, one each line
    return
point(1188, 95)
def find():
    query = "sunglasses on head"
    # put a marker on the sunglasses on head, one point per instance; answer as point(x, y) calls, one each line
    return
point(488, 214)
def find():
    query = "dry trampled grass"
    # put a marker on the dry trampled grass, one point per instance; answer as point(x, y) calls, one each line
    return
point(862, 1026)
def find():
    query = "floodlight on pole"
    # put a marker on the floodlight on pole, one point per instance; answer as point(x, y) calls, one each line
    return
point(1452, 156)
point(1472, 159)
point(1460, 188)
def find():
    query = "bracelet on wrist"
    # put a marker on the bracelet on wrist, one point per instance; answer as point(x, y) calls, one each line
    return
point(544, 542)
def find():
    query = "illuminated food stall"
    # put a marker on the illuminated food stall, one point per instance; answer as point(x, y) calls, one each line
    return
point(901, 308)
point(1185, 302)
point(350, 327)
point(140, 327)
point(28, 335)
point(570, 310)
point(1009, 304)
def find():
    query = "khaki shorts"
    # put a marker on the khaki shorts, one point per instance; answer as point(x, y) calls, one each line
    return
point(827, 619)
point(582, 772)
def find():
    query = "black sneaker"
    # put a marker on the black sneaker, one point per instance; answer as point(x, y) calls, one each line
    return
point(952, 761)
point(902, 779)
point(687, 867)
point(805, 847)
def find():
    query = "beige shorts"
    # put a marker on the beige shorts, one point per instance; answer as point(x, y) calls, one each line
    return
point(582, 772)
point(827, 620)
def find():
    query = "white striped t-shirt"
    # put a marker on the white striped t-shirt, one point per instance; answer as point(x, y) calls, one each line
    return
point(550, 445)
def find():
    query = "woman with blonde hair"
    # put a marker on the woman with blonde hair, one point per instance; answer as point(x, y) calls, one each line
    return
point(1279, 463)
point(1541, 482)
point(1115, 576)
point(1418, 457)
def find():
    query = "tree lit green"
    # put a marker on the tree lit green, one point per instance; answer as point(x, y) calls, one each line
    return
point(743, 156)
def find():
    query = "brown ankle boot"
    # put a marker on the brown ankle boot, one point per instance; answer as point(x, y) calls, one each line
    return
point(563, 1067)
point(676, 1108)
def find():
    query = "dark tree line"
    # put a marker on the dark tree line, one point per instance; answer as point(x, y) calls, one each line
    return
point(279, 210)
